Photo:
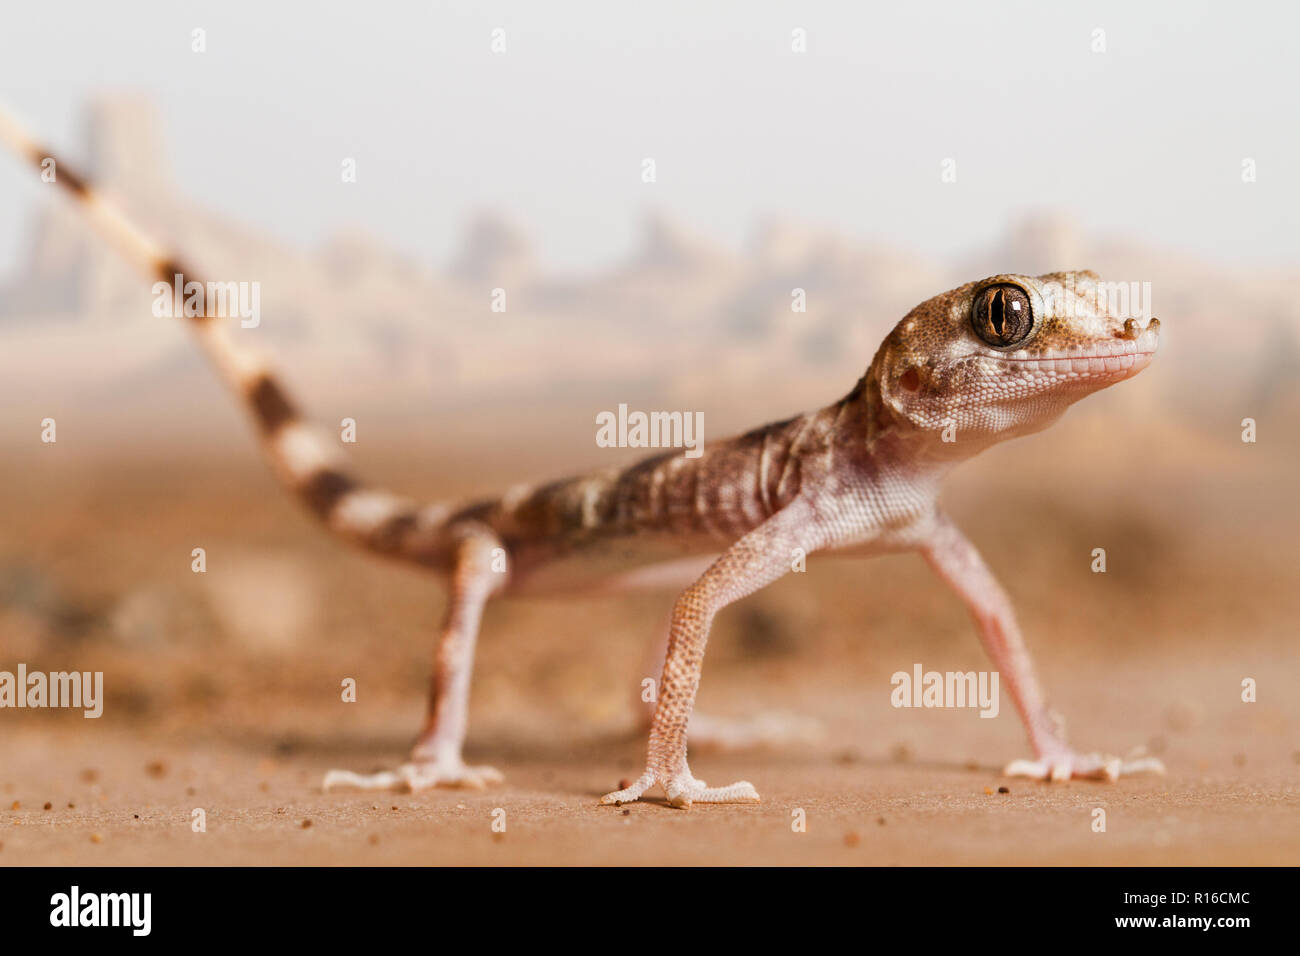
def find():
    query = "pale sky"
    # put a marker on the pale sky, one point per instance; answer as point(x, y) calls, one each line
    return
point(1145, 140)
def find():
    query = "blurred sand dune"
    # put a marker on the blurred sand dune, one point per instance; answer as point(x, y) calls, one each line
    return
point(681, 320)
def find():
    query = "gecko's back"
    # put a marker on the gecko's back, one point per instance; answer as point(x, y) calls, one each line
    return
point(671, 504)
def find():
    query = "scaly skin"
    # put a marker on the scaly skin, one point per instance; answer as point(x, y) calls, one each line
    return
point(980, 364)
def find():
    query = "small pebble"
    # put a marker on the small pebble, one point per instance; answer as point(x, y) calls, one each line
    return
point(1004, 789)
point(306, 824)
point(880, 820)
point(48, 805)
point(627, 813)
point(96, 838)
point(15, 805)
point(988, 791)
point(623, 784)
point(156, 768)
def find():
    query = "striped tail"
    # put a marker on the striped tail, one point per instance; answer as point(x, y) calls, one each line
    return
point(306, 458)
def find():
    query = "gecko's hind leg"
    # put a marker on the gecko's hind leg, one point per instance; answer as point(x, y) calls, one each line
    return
point(436, 757)
point(957, 561)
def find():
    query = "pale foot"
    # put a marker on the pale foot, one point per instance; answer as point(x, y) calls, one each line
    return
point(768, 729)
point(1068, 764)
point(683, 790)
point(417, 775)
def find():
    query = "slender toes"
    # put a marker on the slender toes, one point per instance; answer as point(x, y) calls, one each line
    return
point(632, 793)
point(385, 780)
point(685, 790)
point(1143, 765)
point(1110, 768)
point(1093, 767)
point(419, 777)
point(1085, 767)
point(741, 792)
point(683, 794)
point(415, 777)
point(1037, 769)
point(424, 776)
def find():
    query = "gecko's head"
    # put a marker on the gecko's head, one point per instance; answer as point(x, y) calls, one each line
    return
point(1008, 355)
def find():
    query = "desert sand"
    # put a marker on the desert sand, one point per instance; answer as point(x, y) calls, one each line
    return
point(223, 688)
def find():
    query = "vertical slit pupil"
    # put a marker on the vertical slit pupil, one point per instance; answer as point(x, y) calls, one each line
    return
point(998, 309)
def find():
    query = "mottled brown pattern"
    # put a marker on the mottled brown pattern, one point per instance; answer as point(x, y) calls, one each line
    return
point(167, 269)
point(323, 490)
point(734, 486)
point(270, 405)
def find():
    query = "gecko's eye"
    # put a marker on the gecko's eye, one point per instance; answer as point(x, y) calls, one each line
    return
point(1002, 315)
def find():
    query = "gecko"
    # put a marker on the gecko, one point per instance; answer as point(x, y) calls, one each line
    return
point(988, 361)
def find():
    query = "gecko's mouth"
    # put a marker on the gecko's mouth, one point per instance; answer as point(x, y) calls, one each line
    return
point(1126, 354)
point(1086, 366)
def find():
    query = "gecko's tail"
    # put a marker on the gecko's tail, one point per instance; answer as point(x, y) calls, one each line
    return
point(306, 458)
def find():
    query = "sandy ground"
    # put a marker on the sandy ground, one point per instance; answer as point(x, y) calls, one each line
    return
point(881, 786)
point(223, 688)
point(265, 808)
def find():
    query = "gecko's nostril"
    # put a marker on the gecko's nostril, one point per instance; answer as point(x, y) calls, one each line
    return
point(910, 380)
point(1132, 329)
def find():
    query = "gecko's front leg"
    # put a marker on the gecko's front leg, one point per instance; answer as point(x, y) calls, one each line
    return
point(436, 757)
point(957, 561)
point(757, 559)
